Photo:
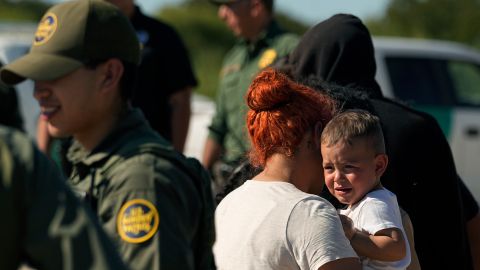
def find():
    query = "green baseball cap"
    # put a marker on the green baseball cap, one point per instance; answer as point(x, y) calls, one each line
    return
point(72, 34)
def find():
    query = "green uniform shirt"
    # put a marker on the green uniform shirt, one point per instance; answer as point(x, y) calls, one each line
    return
point(43, 223)
point(241, 64)
point(149, 207)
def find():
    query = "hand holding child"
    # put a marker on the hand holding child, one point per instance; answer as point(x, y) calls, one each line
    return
point(348, 227)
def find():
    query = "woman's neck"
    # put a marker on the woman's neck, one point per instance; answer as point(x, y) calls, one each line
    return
point(277, 168)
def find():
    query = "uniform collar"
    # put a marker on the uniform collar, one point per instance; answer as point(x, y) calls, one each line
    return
point(265, 38)
point(132, 122)
point(137, 16)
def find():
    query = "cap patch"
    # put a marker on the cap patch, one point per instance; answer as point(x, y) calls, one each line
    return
point(46, 29)
point(137, 221)
point(267, 58)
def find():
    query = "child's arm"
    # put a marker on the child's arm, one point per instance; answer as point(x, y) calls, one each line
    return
point(385, 245)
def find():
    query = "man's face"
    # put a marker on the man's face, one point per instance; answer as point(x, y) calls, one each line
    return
point(237, 16)
point(70, 104)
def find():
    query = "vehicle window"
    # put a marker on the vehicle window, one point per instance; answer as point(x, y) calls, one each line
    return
point(420, 81)
point(466, 80)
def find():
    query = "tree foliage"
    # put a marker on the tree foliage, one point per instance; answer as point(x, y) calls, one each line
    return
point(22, 10)
point(455, 20)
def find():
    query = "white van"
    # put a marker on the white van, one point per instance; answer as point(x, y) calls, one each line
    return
point(443, 79)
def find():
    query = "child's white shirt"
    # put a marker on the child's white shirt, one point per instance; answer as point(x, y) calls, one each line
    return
point(378, 210)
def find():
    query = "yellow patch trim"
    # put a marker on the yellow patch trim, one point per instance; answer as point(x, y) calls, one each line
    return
point(267, 58)
point(137, 221)
point(46, 29)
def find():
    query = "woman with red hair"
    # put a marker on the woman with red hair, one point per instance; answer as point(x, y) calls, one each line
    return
point(271, 221)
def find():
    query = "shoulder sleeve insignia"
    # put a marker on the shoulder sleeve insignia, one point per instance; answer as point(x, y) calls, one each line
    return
point(137, 221)
point(267, 58)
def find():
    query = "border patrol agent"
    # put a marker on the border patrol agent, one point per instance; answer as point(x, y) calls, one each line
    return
point(43, 223)
point(261, 42)
point(147, 196)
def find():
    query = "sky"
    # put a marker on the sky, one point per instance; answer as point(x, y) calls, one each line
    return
point(313, 11)
point(307, 11)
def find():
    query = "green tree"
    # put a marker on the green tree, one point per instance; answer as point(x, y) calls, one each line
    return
point(455, 20)
point(22, 10)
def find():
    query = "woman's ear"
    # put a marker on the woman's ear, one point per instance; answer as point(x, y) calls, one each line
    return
point(381, 162)
point(112, 72)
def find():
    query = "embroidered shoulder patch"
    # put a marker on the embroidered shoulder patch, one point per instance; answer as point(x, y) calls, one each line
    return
point(137, 221)
point(46, 29)
point(267, 58)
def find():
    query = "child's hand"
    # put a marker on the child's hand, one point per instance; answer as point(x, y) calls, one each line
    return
point(348, 227)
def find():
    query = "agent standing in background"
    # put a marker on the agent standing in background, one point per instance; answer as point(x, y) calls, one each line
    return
point(261, 41)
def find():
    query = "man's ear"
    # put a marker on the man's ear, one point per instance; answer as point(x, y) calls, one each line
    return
point(111, 73)
point(381, 162)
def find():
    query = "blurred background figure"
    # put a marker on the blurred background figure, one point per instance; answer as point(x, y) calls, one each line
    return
point(165, 78)
point(45, 226)
point(260, 42)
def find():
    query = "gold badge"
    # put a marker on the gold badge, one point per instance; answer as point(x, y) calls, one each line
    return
point(46, 29)
point(267, 58)
point(137, 221)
